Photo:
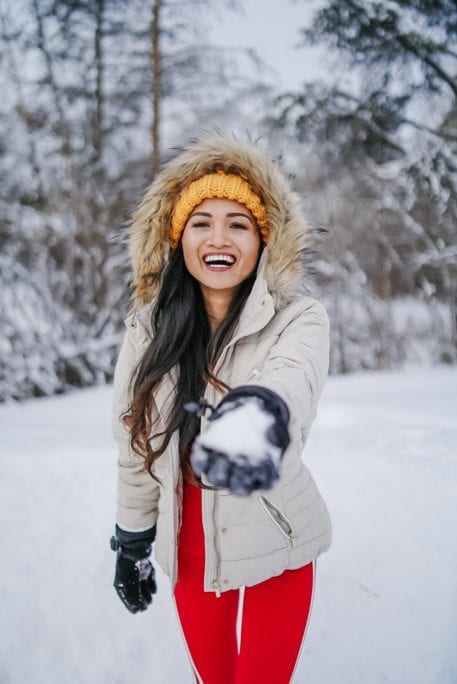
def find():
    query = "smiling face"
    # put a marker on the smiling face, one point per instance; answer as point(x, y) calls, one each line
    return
point(220, 243)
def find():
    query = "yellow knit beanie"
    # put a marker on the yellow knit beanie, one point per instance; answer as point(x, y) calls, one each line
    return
point(220, 185)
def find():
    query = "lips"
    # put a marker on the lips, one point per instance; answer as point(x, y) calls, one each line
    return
point(219, 262)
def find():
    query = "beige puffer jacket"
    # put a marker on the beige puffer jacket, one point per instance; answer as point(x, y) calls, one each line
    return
point(281, 342)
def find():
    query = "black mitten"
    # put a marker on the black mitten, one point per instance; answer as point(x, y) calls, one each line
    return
point(245, 440)
point(134, 579)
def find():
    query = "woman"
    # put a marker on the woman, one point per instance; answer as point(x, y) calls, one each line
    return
point(215, 390)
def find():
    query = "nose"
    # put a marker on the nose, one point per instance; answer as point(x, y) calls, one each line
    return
point(219, 236)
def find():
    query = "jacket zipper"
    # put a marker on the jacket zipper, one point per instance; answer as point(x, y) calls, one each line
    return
point(210, 532)
point(177, 524)
point(214, 508)
point(216, 581)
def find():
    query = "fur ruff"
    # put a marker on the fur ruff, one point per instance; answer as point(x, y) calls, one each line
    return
point(289, 234)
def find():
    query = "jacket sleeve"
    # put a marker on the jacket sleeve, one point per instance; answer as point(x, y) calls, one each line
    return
point(297, 365)
point(137, 492)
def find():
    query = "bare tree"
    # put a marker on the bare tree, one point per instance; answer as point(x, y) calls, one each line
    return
point(156, 84)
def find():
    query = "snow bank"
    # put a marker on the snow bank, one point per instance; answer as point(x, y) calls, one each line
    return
point(383, 452)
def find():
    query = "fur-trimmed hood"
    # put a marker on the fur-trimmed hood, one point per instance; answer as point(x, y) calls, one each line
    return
point(289, 234)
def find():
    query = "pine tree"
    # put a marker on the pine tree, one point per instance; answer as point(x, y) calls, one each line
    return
point(386, 143)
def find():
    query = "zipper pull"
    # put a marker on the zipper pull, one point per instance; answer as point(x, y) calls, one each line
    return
point(199, 407)
point(216, 588)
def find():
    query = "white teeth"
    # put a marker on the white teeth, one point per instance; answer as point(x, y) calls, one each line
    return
point(227, 258)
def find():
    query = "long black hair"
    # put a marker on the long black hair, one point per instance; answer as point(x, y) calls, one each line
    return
point(182, 337)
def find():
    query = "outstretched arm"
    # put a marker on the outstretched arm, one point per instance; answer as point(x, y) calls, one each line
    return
point(249, 431)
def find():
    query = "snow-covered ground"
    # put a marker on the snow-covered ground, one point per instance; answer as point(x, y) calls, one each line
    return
point(384, 452)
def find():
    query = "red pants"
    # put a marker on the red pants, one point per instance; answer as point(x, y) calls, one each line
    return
point(274, 617)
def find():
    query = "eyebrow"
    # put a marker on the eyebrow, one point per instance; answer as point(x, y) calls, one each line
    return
point(231, 214)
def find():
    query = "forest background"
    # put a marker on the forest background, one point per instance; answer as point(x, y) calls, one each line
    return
point(97, 93)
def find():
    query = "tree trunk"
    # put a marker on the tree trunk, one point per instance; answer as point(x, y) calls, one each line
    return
point(98, 119)
point(21, 107)
point(63, 126)
point(156, 84)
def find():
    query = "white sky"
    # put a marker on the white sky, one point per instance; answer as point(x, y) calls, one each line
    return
point(272, 28)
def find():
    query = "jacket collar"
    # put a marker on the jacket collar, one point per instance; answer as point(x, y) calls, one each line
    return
point(259, 308)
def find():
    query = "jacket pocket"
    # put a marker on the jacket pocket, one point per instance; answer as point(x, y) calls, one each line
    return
point(279, 518)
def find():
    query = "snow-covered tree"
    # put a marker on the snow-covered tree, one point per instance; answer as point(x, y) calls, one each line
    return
point(77, 114)
point(378, 164)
